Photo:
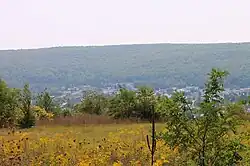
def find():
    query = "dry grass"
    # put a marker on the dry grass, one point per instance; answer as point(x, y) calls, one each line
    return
point(84, 119)
point(245, 116)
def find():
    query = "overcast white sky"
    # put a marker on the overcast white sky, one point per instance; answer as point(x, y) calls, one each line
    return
point(47, 23)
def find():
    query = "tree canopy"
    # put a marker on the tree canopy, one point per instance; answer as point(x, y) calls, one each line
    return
point(157, 65)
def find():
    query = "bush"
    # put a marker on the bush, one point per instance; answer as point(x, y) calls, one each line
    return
point(29, 120)
point(40, 113)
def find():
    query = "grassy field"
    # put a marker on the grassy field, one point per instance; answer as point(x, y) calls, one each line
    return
point(109, 144)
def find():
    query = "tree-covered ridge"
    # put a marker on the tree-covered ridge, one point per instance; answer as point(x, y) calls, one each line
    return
point(153, 64)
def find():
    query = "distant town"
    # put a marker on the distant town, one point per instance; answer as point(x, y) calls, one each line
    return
point(72, 95)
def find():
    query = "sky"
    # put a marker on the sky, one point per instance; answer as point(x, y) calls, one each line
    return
point(50, 23)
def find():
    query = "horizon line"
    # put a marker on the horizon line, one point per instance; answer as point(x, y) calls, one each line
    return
point(124, 44)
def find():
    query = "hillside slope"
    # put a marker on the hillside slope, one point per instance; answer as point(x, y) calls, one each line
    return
point(154, 64)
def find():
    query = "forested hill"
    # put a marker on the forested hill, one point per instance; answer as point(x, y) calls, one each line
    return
point(153, 64)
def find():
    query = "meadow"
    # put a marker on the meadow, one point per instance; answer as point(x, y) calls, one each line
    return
point(97, 142)
point(88, 144)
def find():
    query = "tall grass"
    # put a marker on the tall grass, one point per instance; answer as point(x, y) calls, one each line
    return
point(84, 119)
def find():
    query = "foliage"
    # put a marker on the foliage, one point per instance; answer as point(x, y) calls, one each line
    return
point(9, 105)
point(67, 112)
point(158, 65)
point(16, 108)
point(145, 100)
point(205, 136)
point(93, 103)
point(123, 104)
point(45, 101)
point(133, 104)
point(28, 119)
point(40, 113)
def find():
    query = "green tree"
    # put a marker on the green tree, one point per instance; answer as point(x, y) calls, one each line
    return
point(203, 135)
point(45, 101)
point(123, 104)
point(9, 105)
point(93, 103)
point(145, 100)
point(28, 119)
